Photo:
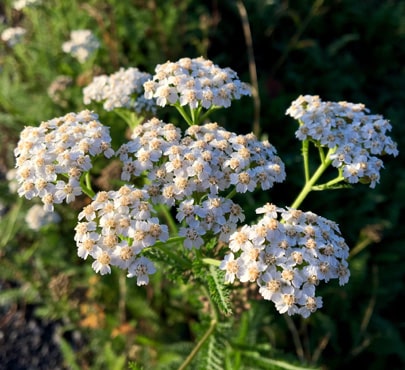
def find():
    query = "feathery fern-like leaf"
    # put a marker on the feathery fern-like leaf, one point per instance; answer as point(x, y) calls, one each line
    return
point(219, 291)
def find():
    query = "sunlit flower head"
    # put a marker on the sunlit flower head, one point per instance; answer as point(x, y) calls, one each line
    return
point(122, 89)
point(287, 253)
point(356, 137)
point(119, 225)
point(82, 44)
point(206, 160)
point(51, 158)
point(197, 83)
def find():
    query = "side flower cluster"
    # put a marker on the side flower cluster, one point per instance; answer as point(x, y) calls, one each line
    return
point(82, 44)
point(122, 89)
point(287, 253)
point(201, 165)
point(197, 83)
point(356, 137)
point(21, 4)
point(13, 35)
point(37, 217)
point(51, 158)
point(115, 228)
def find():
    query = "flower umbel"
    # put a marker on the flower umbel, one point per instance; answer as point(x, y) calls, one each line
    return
point(115, 228)
point(21, 4)
point(196, 83)
point(122, 89)
point(52, 158)
point(208, 160)
point(82, 44)
point(287, 253)
point(355, 138)
point(13, 35)
point(37, 217)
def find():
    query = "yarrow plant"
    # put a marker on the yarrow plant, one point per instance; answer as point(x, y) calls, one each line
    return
point(21, 4)
point(197, 84)
point(122, 89)
point(287, 253)
point(54, 159)
point(13, 35)
point(82, 45)
point(177, 189)
point(346, 136)
point(37, 217)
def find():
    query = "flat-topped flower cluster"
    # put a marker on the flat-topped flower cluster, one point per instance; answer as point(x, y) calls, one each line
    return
point(13, 35)
point(122, 89)
point(201, 165)
point(356, 138)
point(287, 253)
point(21, 4)
point(195, 83)
point(52, 157)
point(114, 229)
point(81, 45)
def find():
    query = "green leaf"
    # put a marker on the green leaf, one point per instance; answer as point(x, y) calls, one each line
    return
point(272, 364)
point(219, 291)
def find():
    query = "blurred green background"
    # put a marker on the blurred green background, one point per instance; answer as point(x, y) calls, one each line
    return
point(337, 49)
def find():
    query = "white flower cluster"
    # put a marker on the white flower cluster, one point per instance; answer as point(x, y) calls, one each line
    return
point(288, 258)
point(117, 226)
point(51, 158)
point(81, 45)
point(37, 217)
point(357, 136)
point(195, 82)
point(122, 89)
point(13, 35)
point(21, 4)
point(206, 161)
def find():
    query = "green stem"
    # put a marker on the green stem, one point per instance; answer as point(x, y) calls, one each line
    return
point(204, 338)
point(330, 184)
point(231, 194)
point(211, 261)
point(195, 114)
point(130, 118)
point(183, 113)
point(198, 346)
point(305, 155)
point(85, 183)
point(311, 182)
point(321, 152)
point(359, 247)
point(208, 112)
